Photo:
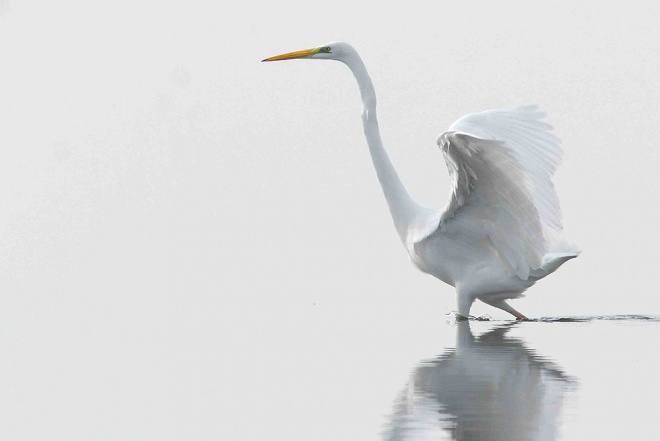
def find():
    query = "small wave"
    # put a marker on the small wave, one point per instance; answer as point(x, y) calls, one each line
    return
point(454, 316)
point(591, 318)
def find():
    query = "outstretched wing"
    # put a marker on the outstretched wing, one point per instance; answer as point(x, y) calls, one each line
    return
point(501, 163)
point(533, 145)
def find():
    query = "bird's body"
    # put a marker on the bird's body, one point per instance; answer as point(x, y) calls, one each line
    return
point(501, 228)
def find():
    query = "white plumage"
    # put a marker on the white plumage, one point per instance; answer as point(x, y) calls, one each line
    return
point(533, 145)
point(491, 190)
point(501, 228)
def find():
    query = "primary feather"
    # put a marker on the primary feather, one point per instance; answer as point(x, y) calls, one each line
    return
point(492, 190)
point(533, 145)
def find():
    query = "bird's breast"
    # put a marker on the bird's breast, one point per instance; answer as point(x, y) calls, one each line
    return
point(428, 256)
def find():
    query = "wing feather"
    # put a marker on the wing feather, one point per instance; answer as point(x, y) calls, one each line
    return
point(501, 164)
point(533, 145)
point(491, 189)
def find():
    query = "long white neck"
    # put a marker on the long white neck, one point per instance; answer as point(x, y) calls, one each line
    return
point(402, 207)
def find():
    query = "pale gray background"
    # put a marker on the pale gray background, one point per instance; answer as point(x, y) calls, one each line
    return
point(190, 239)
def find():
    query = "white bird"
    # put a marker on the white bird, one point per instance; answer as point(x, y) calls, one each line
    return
point(501, 228)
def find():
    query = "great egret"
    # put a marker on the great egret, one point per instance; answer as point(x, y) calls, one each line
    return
point(501, 228)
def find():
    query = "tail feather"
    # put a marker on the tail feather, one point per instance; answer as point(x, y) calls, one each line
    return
point(552, 261)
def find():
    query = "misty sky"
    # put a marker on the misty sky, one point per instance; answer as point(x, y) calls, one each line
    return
point(151, 138)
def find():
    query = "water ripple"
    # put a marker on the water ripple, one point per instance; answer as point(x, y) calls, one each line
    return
point(453, 316)
point(587, 318)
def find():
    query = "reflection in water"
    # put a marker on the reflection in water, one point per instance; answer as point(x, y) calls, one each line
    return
point(487, 388)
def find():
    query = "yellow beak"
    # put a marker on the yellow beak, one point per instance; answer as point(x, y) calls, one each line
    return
point(292, 55)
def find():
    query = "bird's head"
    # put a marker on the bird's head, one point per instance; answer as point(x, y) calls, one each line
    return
point(337, 50)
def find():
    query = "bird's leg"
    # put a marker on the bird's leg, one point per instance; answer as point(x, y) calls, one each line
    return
point(464, 300)
point(518, 315)
point(464, 304)
point(504, 306)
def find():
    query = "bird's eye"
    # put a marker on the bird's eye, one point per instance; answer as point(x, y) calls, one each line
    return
point(326, 49)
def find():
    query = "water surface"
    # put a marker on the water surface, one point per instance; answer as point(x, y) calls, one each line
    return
point(496, 386)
